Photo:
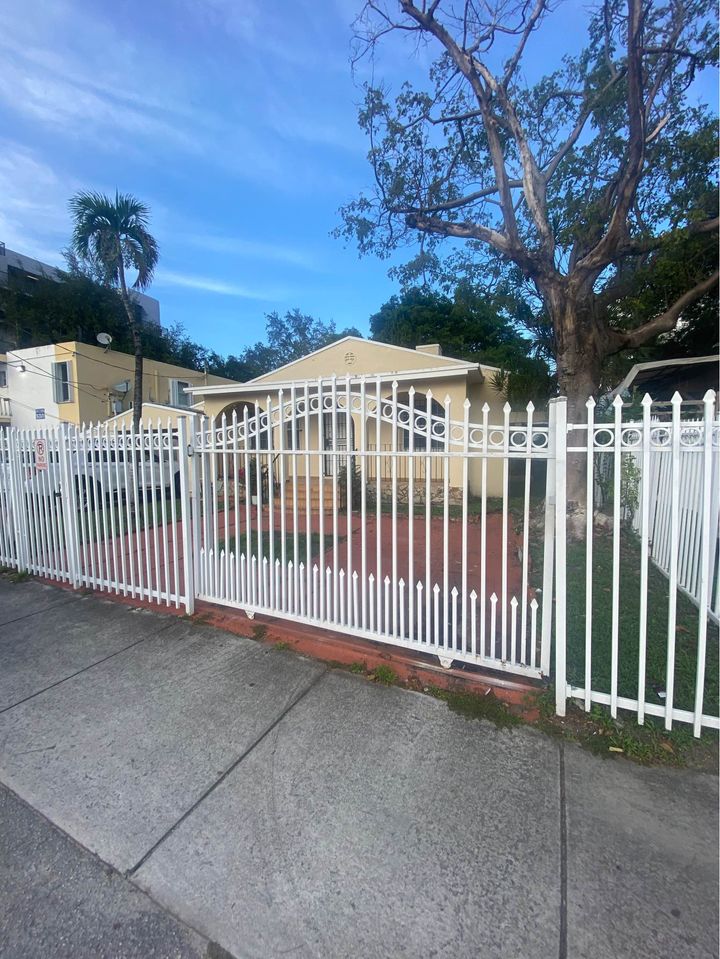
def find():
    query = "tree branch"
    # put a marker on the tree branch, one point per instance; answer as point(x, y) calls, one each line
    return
point(465, 231)
point(648, 244)
point(667, 321)
point(631, 171)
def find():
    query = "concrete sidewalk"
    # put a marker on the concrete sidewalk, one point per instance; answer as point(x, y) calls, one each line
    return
point(277, 807)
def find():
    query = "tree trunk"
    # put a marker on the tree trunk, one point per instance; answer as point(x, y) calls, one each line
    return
point(137, 344)
point(579, 357)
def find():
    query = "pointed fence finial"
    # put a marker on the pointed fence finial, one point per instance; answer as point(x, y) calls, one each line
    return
point(646, 400)
point(617, 402)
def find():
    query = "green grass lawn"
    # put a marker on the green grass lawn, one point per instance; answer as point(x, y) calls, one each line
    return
point(125, 517)
point(657, 622)
point(277, 545)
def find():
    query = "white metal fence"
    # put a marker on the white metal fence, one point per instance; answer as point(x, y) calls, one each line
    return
point(426, 531)
point(366, 550)
point(99, 508)
point(634, 653)
point(657, 485)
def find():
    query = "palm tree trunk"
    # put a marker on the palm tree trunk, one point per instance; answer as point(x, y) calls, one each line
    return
point(137, 344)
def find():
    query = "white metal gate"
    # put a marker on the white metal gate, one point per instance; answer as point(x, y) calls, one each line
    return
point(423, 558)
point(99, 507)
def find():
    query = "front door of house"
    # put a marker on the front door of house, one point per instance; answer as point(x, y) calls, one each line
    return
point(340, 443)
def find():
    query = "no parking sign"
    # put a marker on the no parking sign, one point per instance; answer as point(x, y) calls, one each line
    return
point(41, 462)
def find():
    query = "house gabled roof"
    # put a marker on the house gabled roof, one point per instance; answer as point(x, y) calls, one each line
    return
point(443, 361)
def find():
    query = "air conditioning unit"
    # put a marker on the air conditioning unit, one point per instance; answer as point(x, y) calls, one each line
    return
point(123, 387)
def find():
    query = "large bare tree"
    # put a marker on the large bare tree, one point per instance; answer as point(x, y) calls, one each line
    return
point(576, 183)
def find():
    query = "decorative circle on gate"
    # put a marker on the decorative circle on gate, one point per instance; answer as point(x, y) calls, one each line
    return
point(660, 436)
point(604, 437)
point(691, 436)
point(631, 437)
point(350, 358)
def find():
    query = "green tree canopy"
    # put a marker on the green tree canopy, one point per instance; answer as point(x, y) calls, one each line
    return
point(288, 338)
point(78, 308)
point(467, 326)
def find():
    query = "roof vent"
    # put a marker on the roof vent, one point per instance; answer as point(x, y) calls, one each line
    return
point(432, 349)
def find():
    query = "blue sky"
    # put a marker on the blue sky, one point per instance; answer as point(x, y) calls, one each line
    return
point(235, 120)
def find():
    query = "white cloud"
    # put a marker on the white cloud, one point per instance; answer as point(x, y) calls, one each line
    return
point(253, 250)
point(33, 213)
point(212, 285)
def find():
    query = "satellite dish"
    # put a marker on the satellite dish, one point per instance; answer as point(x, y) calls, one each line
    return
point(104, 339)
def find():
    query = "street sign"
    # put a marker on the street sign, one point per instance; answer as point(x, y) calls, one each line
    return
point(40, 414)
point(41, 462)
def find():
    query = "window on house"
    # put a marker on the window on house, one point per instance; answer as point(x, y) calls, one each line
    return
point(294, 437)
point(177, 395)
point(62, 389)
point(3, 376)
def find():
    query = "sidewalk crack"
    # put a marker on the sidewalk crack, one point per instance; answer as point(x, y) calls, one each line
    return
point(563, 950)
point(213, 786)
point(84, 669)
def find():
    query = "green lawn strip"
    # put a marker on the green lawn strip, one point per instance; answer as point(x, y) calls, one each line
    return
point(126, 518)
point(629, 625)
point(277, 545)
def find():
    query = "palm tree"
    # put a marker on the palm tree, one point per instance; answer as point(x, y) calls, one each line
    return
point(114, 236)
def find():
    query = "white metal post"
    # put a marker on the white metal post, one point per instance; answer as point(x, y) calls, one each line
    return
point(190, 544)
point(560, 448)
point(68, 493)
point(17, 487)
point(548, 547)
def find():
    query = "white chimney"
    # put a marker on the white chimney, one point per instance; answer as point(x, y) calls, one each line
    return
point(432, 349)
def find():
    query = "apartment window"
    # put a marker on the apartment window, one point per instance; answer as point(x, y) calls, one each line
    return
point(3, 376)
point(177, 395)
point(62, 389)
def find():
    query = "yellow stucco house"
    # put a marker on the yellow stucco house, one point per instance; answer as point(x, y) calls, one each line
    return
point(422, 369)
point(77, 383)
